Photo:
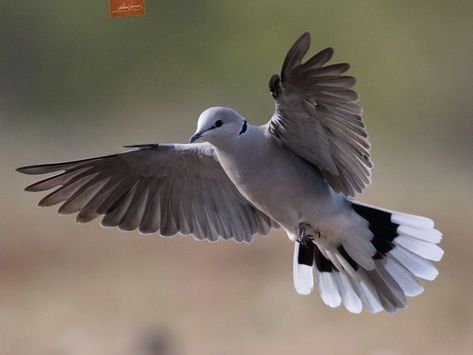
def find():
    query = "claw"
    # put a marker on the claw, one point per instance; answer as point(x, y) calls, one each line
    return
point(302, 236)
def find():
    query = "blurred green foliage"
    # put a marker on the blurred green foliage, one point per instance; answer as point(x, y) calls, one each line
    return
point(68, 56)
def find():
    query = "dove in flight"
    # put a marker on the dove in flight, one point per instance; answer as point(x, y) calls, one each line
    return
point(298, 172)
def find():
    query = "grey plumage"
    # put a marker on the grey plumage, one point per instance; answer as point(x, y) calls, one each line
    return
point(296, 172)
point(318, 117)
point(166, 188)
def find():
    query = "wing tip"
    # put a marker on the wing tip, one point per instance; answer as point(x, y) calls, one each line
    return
point(295, 54)
point(44, 203)
point(29, 170)
point(30, 188)
point(330, 51)
point(306, 36)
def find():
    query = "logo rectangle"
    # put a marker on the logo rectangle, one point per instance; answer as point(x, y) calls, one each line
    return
point(121, 8)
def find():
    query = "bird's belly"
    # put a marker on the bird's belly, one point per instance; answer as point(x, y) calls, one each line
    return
point(289, 196)
point(288, 207)
point(283, 186)
point(327, 213)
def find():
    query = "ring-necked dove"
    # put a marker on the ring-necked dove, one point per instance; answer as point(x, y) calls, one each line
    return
point(233, 180)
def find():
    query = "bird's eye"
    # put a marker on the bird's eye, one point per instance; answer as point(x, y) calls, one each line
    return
point(218, 123)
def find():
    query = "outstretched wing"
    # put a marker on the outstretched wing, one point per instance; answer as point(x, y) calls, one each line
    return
point(175, 188)
point(318, 117)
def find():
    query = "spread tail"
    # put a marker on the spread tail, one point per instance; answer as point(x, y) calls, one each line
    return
point(378, 272)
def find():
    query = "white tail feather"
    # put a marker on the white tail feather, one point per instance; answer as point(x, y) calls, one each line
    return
point(411, 220)
point(425, 249)
point(419, 266)
point(368, 293)
point(362, 285)
point(431, 235)
point(350, 299)
point(303, 275)
point(404, 278)
point(328, 288)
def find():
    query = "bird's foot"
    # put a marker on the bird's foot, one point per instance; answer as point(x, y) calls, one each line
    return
point(305, 233)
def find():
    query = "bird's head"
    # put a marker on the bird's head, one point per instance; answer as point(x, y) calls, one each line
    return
point(219, 124)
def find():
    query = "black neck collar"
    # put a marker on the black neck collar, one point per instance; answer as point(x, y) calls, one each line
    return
point(243, 128)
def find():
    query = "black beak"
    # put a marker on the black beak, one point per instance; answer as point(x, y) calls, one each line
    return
point(195, 137)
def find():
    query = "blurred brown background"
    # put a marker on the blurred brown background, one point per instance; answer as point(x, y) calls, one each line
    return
point(75, 83)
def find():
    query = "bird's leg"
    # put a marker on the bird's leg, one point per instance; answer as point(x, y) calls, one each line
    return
point(303, 236)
